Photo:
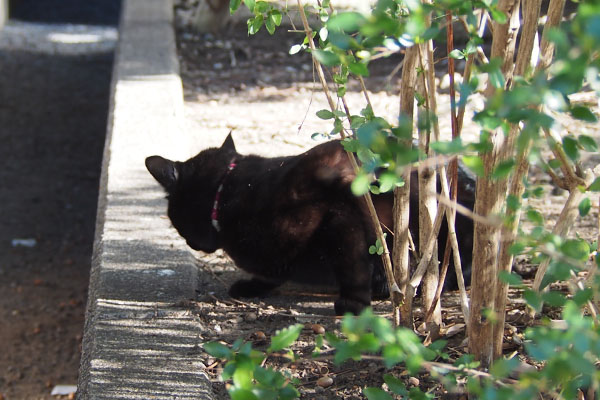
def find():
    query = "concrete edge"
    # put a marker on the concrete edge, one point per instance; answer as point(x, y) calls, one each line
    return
point(138, 342)
point(3, 13)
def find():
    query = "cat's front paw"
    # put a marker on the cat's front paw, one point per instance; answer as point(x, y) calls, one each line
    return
point(251, 288)
point(343, 306)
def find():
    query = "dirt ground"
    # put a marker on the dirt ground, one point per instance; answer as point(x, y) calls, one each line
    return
point(251, 85)
point(53, 112)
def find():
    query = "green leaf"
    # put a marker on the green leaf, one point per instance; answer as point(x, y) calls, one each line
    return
point(583, 296)
point(341, 40)
point(471, 47)
point(517, 248)
point(360, 184)
point(373, 393)
point(346, 22)
point(583, 113)
point(288, 392)
point(254, 24)
point(572, 314)
point(395, 384)
point(367, 112)
point(358, 68)
point(595, 186)
point(351, 145)
point(502, 367)
point(244, 373)
point(234, 5)
point(388, 181)
point(535, 216)
point(584, 206)
point(513, 203)
point(512, 279)
point(554, 298)
point(250, 4)
point(261, 7)
point(588, 143)
point(218, 350)
point(326, 58)
point(275, 16)
point(325, 114)
point(498, 16)
point(296, 48)
point(466, 361)
point(571, 148)
point(557, 271)
point(341, 78)
point(475, 164)
point(430, 33)
point(284, 338)
point(337, 126)
point(270, 25)
point(457, 54)
point(555, 100)
point(323, 33)
point(367, 132)
point(538, 192)
point(496, 78)
point(533, 300)
point(265, 376)
point(228, 371)
point(241, 394)
point(393, 354)
point(452, 147)
point(438, 345)
point(383, 330)
point(578, 249)
point(503, 169)
point(417, 394)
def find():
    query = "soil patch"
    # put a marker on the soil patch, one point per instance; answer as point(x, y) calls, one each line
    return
point(53, 109)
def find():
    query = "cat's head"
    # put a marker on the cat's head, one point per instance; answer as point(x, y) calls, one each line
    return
point(191, 187)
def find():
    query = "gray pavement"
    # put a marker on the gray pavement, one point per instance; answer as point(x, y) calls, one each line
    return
point(138, 342)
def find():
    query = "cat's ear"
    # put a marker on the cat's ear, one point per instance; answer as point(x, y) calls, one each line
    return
point(163, 170)
point(228, 143)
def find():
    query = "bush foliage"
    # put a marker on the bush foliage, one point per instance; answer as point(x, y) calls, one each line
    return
point(348, 43)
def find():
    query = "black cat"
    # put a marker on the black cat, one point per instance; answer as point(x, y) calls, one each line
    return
point(287, 218)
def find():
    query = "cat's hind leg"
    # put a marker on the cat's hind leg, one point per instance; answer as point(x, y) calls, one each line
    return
point(349, 257)
point(254, 287)
point(379, 285)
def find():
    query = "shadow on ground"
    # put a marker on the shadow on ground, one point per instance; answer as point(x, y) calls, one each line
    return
point(53, 113)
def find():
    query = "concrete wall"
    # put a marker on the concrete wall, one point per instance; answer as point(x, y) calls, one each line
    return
point(139, 343)
point(3, 12)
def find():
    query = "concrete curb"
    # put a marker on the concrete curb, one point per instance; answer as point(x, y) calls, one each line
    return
point(139, 343)
point(3, 13)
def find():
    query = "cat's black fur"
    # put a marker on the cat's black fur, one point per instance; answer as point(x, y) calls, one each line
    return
point(289, 218)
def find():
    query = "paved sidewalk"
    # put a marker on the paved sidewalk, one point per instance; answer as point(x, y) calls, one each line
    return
point(139, 342)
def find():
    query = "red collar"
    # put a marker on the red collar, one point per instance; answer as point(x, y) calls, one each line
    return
point(214, 215)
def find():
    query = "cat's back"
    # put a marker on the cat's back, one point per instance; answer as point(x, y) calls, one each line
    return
point(324, 167)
